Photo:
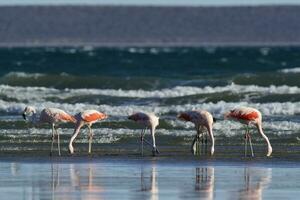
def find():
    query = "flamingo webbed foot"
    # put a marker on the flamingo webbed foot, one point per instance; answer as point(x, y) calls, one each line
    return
point(155, 151)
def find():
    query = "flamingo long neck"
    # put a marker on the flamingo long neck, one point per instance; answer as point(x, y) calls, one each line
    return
point(210, 131)
point(76, 131)
point(260, 130)
point(152, 130)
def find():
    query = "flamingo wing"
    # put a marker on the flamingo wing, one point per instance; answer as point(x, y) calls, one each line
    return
point(245, 114)
point(66, 117)
point(92, 115)
point(139, 117)
point(59, 115)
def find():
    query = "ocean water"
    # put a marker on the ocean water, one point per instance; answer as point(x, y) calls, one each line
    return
point(166, 81)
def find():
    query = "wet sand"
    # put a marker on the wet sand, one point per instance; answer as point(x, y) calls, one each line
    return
point(123, 177)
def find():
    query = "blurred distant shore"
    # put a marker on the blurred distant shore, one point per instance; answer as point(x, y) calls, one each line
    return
point(121, 26)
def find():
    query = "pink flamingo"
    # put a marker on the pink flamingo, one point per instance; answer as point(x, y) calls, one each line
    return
point(148, 120)
point(87, 117)
point(51, 116)
point(248, 116)
point(201, 119)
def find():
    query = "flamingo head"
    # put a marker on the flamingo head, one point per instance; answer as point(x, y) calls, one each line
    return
point(71, 149)
point(212, 150)
point(184, 116)
point(28, 111)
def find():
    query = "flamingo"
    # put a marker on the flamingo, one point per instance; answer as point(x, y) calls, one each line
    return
point(51, 116)
point(205, 182)
point(148, 120)
point(248, 116)
point(87, 117)
point(201, 119)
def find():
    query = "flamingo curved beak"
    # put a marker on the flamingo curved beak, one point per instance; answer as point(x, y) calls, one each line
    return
point(24, 116)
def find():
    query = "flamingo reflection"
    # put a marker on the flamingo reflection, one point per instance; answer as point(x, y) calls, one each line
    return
point(81, 185)
point(205, 180)
point(152, 188)
point(256, 180)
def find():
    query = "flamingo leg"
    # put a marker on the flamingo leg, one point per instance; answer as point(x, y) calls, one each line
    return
point(202, 149)
point(90, 138)
point(196, 146)
point(193, 147)
point(58, 142)
point(147, 142)
point(142, 140)
point(249, 138)
point(154, 148)
point(206, 141)
point(195, 143)
point(201, 135)
point(53, 137)
point(151, 144)
point(246, 141)
point(200, 144)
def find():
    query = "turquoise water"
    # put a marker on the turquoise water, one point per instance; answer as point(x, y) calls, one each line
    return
point(120, 81)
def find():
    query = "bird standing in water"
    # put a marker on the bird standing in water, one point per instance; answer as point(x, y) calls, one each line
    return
point(87, 117)
point(248, 116)
point(51, 116)
point(201, 119)
point(148, 120)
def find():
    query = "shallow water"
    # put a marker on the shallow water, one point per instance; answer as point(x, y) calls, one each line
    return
point(147, 179)
point(120, 81)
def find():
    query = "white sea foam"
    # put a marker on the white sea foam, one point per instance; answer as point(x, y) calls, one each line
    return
point(291, 70)
point(24, 75)
point(101, 135)
point(217, 109)
point(264, 51)
point(180, 91)
point(41, 93)
point(109, 135)
point(140, 50)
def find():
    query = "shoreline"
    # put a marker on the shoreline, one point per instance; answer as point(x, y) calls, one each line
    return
point(160, 161)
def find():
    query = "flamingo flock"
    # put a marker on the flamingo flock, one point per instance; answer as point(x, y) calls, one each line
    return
point(203, 121)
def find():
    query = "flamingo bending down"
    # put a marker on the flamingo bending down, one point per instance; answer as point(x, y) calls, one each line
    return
point(87, 117)
point(148, 120)
point(248, 116)
point(51, 116)
point(201, 119)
